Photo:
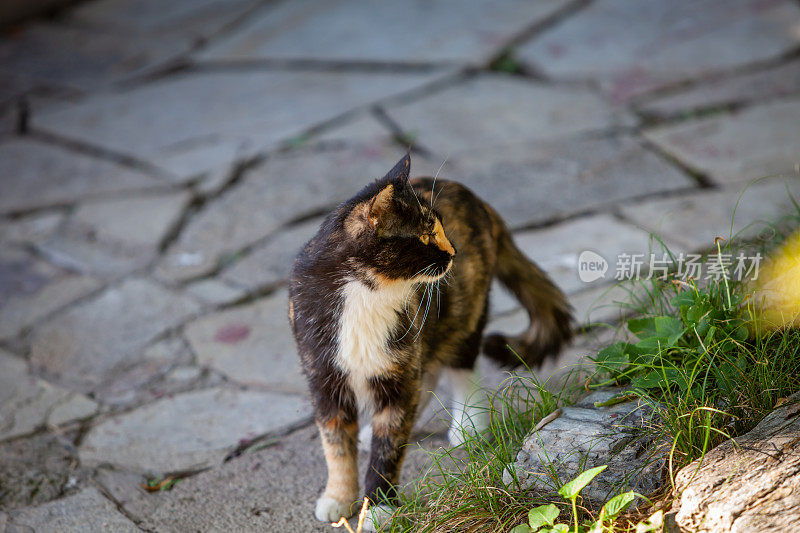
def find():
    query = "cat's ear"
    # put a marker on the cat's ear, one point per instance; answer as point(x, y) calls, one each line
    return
point(399, 173)
point(381, 205)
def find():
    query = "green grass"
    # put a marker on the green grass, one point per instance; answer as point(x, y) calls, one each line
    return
point(694, 351)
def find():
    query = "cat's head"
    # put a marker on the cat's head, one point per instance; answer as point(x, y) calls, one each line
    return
point(397, 236)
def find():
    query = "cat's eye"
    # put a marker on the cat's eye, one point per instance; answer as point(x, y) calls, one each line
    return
point(425, 239)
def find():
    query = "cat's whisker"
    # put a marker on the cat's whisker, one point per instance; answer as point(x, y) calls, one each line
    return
point(438, 193)
point(427, 308)
point(436, 176)
point(424, 271)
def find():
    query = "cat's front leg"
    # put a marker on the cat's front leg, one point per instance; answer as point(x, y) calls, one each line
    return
point(339, 434)
point(391, 427)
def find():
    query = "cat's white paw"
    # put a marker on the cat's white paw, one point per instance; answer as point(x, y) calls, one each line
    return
point(365, 438)
point(377, 517)
point(330, 510)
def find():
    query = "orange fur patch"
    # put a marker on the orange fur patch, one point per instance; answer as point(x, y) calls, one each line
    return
point(441, 239)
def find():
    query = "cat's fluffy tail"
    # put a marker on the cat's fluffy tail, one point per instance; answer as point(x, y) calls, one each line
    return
point(549, 311)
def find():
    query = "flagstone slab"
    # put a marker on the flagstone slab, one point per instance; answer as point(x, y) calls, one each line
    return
point(189, 430)
point(448, 31)
point(536, 182)
point(136, 221)
point(284, 188)
point(271, 263)
point(631, 48)
point(32, 229)
point(190, 113)
point(762, 85)
point(557, 249)
point(35, 470)
point(695, 220)
point(270, 489)
point(250, 344)
point(743, 146)
point(31, 289)
point(86, 510)
point(494, 109)
point(362, 128)
point(110, 238)
point(35, 175)
point(27, 403)
point(215, 292)
point(194, 19)
point(79, 59)
point(81, 347)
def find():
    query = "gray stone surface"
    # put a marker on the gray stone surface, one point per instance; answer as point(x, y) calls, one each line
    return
point(31, 289)
point(468, 32)
point(271, 263)
point(272, 489)
point(35, 470)
point(36, 175)
point(189, 430)
point(745, 484)
point(193, 19)
point(110, 238)
point(134, 221)
point(76, 59)
point(688, 221)
point(283, 188)
point(86, 510)
point(759, 141)
point(536, 182)
point(778, 81)
point(81, 346)
point(26, 402)
point(633, 48)
point(215, 291)
point(36, 228)
point(494, 109)
point(556, 249)
point(585, 436)
point(250, 344)
point(219, 107)
point(362, 128)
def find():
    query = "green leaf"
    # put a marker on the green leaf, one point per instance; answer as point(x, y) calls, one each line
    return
point(558, 528)
point(618, 503)
point(643, 327)
point(696, 312)
point(574, 487)
point(655, 378)
point(522, 528)
point(670, 328)
point(544, 515)
point(615, 357)
point(684, 298)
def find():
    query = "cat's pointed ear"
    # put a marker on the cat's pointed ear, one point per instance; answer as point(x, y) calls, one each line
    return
point(399, 173)
point(380, 205)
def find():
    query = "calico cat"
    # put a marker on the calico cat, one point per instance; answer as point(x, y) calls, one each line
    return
point(392, 289)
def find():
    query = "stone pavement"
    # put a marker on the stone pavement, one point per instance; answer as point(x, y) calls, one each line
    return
point(161, 163)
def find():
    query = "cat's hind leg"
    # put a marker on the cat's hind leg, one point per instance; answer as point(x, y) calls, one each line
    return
point(470, 408)
point(338, 435)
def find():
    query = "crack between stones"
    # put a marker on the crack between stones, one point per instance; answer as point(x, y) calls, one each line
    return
point(91, 150)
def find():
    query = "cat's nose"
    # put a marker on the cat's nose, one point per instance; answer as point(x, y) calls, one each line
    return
point(454, 252)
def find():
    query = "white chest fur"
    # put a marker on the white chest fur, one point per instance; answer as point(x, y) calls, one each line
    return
point(368, 317)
